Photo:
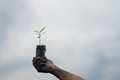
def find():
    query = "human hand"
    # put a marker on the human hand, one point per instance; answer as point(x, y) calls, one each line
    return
point(43, 65)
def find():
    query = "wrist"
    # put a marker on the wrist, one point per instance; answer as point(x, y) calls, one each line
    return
point(58, 72)
point(53, 69)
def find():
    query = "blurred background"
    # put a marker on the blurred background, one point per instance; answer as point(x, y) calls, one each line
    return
point(82, 37)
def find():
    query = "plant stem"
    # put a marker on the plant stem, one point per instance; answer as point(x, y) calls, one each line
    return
point(39, 39)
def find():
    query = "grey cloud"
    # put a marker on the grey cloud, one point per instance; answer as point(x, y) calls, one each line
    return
point(10, 11)
point(12, 66)
point(77, 32)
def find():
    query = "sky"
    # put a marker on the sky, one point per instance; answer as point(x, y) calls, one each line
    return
point(82, 37)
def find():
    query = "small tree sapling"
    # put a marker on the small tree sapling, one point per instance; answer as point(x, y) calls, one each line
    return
point(40, 33)
point(40, 49)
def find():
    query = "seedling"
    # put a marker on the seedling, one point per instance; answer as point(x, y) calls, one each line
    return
point(40, 33)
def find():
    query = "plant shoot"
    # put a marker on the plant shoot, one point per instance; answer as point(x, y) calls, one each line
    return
point(40, 33)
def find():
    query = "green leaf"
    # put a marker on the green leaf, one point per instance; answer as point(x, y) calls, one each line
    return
point(42, 33)
point(42, 29)
point(36, 31)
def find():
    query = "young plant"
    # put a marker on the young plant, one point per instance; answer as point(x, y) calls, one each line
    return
point(40, 33)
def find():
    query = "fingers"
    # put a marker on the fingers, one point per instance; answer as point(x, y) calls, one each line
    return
point(34, 62)
point(39, 63)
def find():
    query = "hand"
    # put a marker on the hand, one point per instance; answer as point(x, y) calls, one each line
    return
point(43, 65)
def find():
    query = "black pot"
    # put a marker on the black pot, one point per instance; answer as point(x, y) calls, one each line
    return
point(40, 50)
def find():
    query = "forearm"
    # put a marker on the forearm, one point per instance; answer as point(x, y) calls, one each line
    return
point(47, 66)
point(64, 75)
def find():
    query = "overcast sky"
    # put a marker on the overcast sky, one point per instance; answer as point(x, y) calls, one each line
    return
point(82, 36)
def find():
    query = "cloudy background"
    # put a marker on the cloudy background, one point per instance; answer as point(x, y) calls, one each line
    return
point(82, 36)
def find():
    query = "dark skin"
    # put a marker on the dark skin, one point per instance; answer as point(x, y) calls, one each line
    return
point(44, 65)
